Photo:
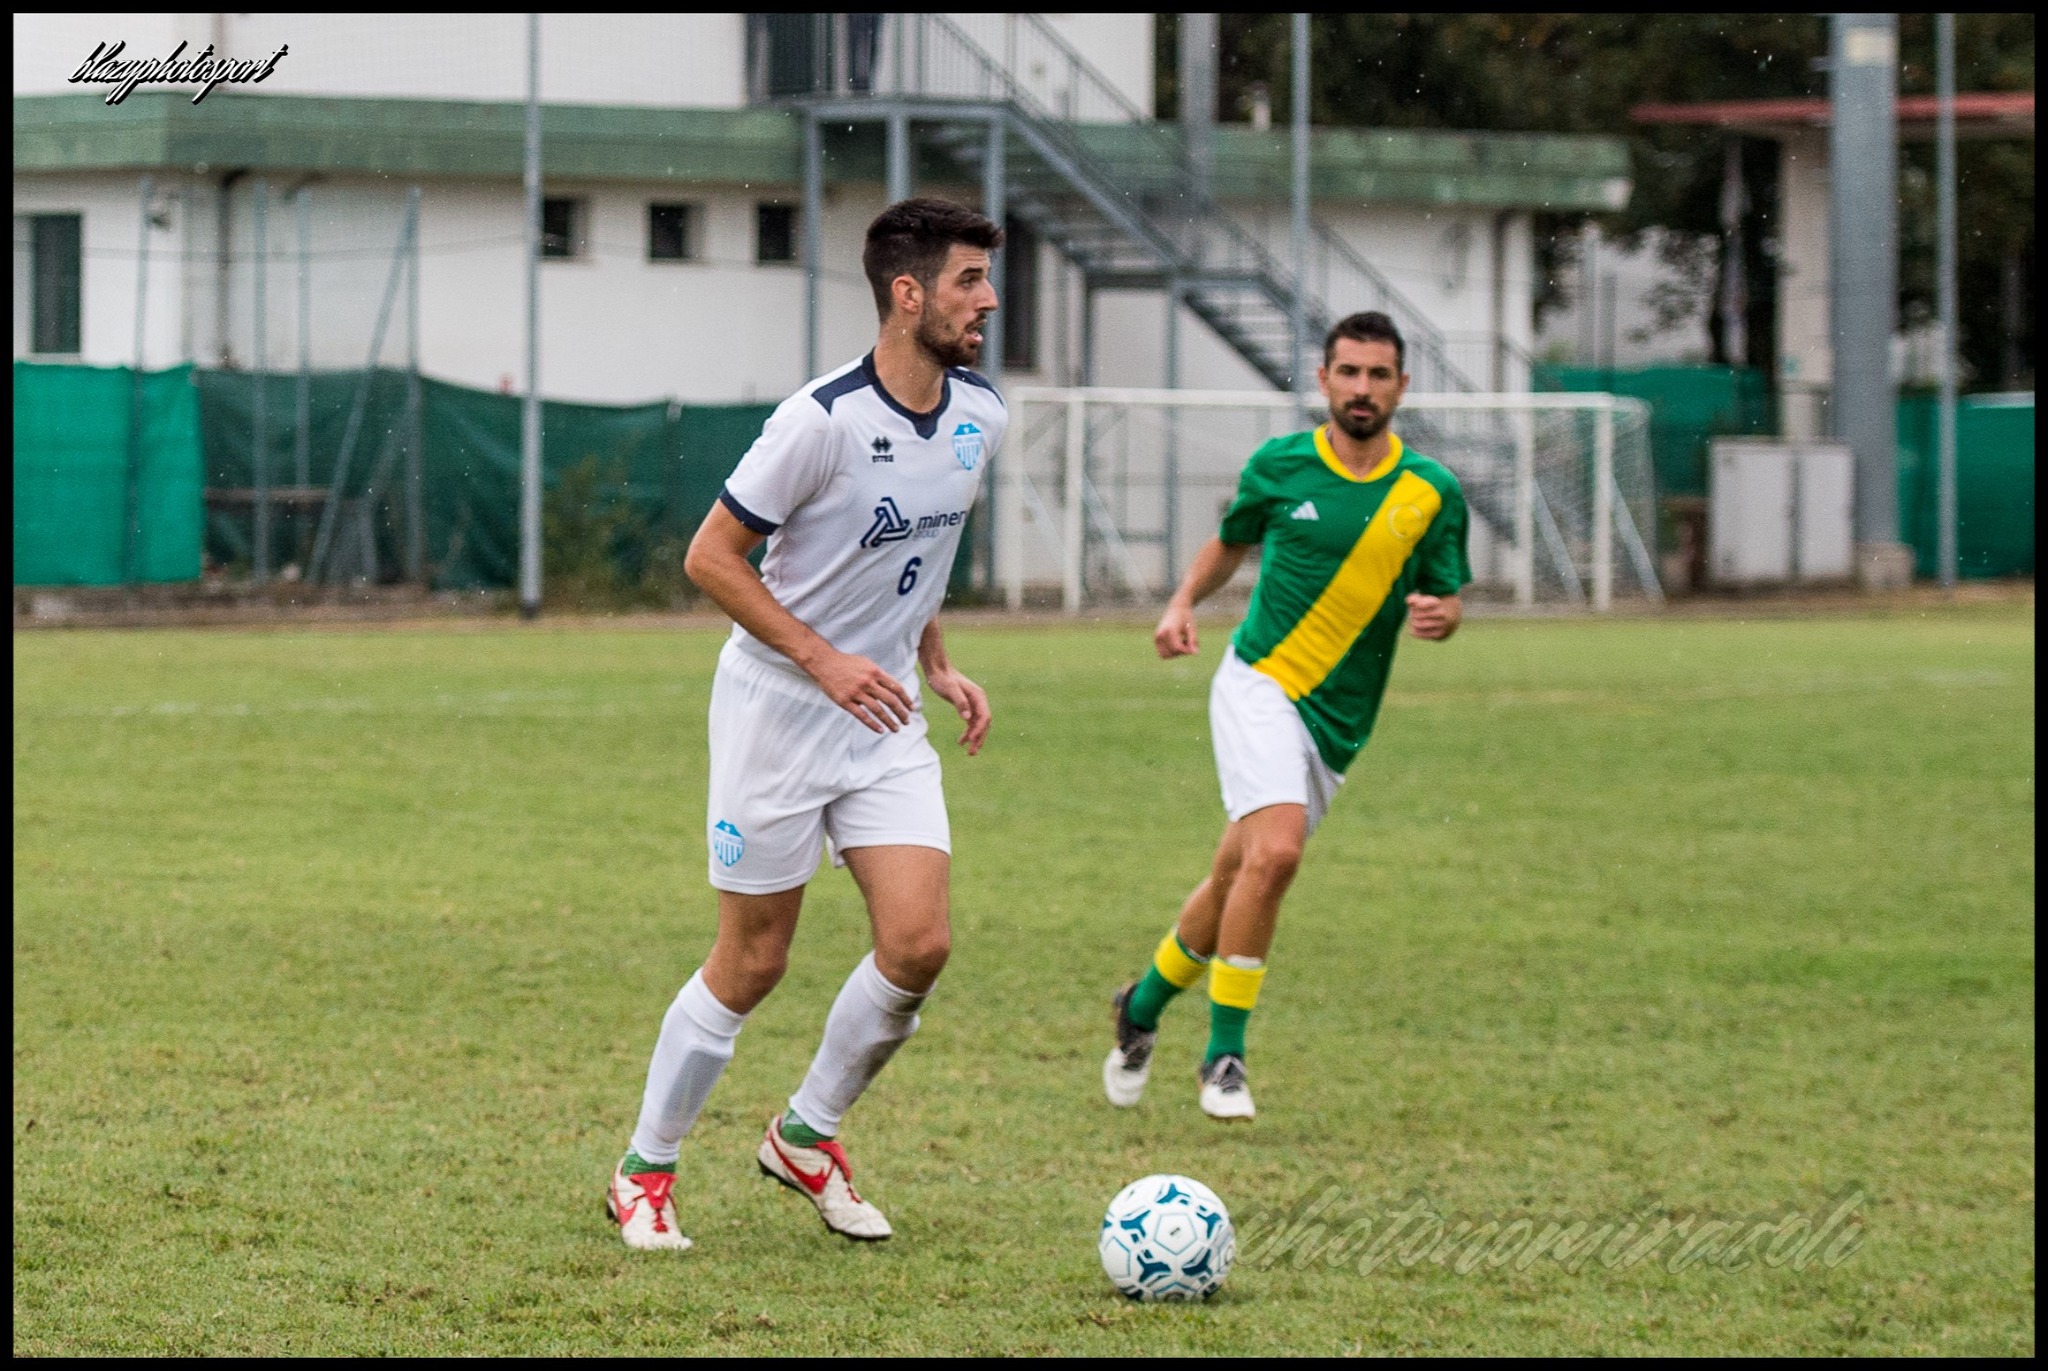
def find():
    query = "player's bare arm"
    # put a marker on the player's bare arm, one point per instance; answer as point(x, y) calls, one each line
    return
point(1435, 617)
point(717, 564)
point(1213, 566)
point(950, 685)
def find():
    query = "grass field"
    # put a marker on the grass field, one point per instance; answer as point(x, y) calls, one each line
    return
point(338, 957)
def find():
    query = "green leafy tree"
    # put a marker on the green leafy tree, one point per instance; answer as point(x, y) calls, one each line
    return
point(1583, 73)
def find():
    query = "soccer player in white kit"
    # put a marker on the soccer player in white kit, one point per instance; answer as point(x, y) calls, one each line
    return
point(861, 483)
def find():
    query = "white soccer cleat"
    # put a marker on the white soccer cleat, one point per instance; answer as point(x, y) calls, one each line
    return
point(821, 1175)
point(1224, 1092)
point(642, 1208)
point(1129, 1063)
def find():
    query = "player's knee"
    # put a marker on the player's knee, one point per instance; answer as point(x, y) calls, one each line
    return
point(916, 959)
point(762, 962)
point(1273, 860)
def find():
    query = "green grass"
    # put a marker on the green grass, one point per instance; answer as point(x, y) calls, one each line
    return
point(338, 957)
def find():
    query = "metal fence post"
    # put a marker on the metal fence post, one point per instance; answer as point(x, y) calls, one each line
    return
point(1525, 507)
point(259, 378)
point(415, 504)
point(1603, 508)
point(530, 412)
point(1945, 271)
point(302, 441)
point(1009, 516)
point(1071, 512)
point(131, 502)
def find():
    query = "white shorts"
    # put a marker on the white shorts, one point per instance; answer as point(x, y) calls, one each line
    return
point(1264, 755)
point(790, 769)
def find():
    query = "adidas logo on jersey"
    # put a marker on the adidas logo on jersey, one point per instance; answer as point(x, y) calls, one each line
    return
point(1305, 510)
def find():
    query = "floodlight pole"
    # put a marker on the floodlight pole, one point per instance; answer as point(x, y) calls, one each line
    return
point(1297, 374)
point(1863, 270)
point(1945, 272)
point(529, 425)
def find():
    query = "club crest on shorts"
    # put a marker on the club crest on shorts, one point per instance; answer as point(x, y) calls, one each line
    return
point(727, 843)
point(967, 445)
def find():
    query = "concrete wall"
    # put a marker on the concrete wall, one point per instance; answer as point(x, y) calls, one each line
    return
point(110, 257)
point(618, 327)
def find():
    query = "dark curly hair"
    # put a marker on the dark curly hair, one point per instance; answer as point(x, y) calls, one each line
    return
point(913, 237)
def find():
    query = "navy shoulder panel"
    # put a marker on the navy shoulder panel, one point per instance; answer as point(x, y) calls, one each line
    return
point(827, 394)
point(975, 378)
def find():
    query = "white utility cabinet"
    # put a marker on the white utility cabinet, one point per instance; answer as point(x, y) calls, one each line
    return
point(1779, 511)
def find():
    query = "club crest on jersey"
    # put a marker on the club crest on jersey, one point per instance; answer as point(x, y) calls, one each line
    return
point(727, 843)
point(967, 445)
point(889, 526)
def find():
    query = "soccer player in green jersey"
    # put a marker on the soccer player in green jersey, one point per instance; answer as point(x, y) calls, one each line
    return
point(1358, 535)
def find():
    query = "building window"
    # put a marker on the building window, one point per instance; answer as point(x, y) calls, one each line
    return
point(54, 282)
point(671, 233)
point(774, 233)
point(1019, 308)
point(563, 230)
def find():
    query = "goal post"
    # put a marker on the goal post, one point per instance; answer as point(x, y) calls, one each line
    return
point(1103, 494)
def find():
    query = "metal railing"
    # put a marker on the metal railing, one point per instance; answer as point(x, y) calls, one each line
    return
point(1159, 222)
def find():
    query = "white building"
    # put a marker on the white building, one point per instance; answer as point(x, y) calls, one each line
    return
point(673, 157)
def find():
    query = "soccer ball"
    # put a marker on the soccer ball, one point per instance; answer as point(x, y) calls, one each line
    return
point(1167, 1238)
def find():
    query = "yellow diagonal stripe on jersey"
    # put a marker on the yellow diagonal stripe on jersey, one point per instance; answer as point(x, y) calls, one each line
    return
point(1314, 646)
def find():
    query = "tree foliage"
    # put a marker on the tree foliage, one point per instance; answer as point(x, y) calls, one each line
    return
point(1583, 73)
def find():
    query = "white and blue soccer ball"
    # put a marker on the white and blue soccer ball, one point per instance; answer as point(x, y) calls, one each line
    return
point(1167, 1238)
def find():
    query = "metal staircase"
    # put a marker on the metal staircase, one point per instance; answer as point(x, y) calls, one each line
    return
point(1121, 206)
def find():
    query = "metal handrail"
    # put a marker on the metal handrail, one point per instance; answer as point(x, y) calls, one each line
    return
point(939, 58)
point(1170, 140)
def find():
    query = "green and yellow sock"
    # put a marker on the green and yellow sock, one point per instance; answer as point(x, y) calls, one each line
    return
point(1173, 970)
point(1233, 990)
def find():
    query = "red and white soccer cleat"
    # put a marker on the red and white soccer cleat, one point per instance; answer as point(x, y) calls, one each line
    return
point(821, 1175)
point(642, 1208)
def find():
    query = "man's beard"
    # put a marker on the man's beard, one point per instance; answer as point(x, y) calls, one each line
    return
point(1360, 429)
point(954, 351)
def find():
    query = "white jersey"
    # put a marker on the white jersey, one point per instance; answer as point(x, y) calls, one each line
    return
point(863, 503)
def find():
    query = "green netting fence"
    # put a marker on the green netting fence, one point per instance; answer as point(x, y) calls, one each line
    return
point(1690, 405)
point(78, 455)
point(635, 480)
point(664, 462)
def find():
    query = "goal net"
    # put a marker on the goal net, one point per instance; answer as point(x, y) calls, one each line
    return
point(1102, 496)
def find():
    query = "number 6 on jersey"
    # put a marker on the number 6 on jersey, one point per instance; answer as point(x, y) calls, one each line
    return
point(908, 580)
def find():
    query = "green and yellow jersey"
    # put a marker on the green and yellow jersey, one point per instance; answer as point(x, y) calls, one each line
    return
point(1341, 555)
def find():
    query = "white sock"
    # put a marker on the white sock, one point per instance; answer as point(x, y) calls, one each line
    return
point(869, 1021)
point(696, 1042)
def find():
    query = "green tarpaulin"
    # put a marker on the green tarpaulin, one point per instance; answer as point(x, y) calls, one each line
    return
point(76, 454)
point(1994, 484)
point(664, 463)
point(667, 460)
point(1689, 406)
